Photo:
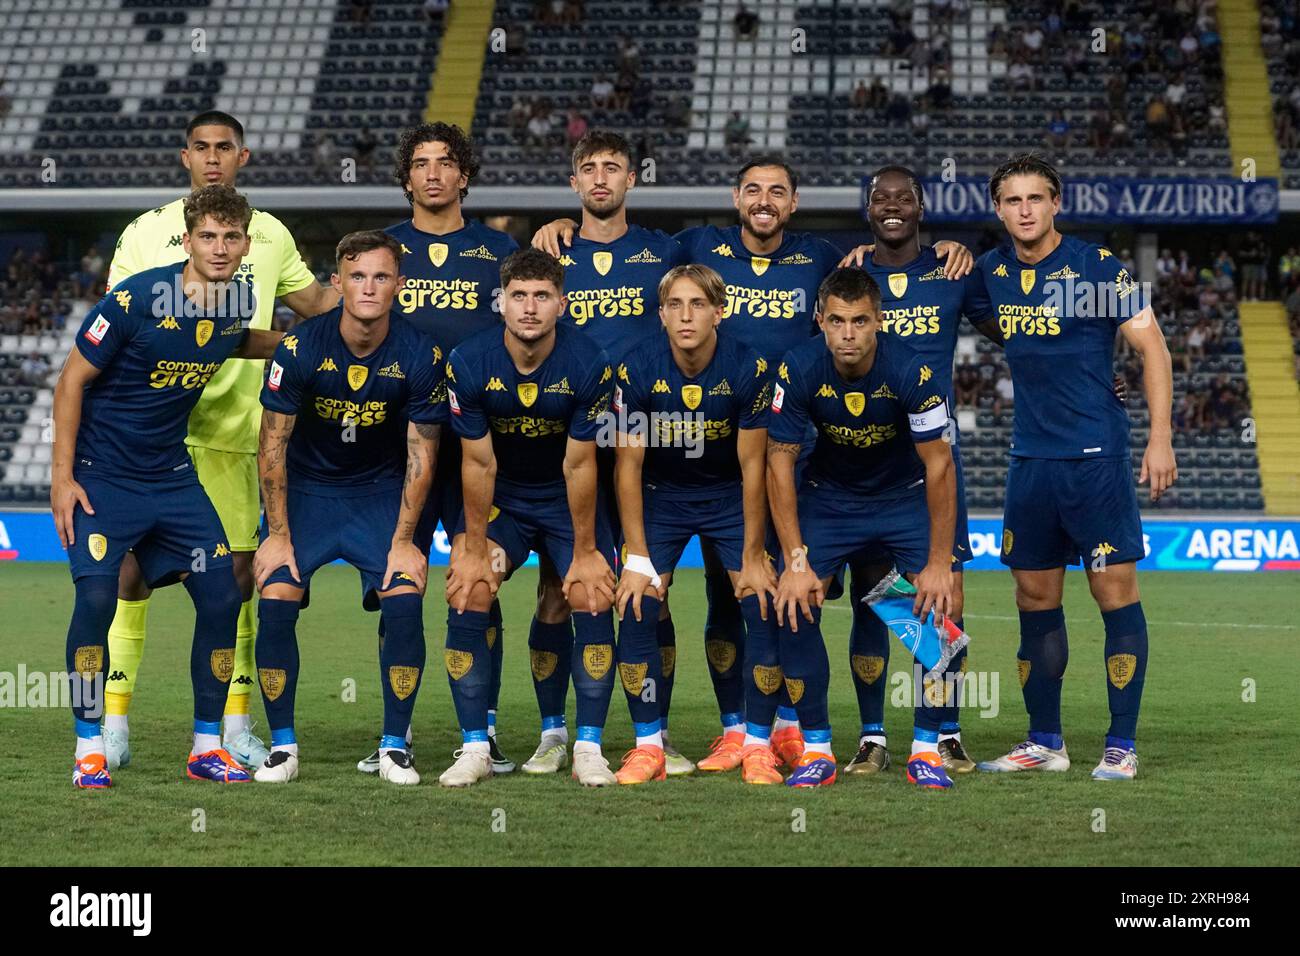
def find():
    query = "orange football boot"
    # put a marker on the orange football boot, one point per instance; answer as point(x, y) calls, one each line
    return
point(787, 744)
point(758, 765)
point(724, 753)
point(641, 765)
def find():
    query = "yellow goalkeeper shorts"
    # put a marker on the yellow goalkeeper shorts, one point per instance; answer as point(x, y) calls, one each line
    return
point(230, 479)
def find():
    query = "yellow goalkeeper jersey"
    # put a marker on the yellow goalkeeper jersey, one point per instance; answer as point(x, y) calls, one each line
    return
point(229, 413)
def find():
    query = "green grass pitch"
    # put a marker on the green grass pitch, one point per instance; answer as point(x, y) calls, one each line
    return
point(1214, 787)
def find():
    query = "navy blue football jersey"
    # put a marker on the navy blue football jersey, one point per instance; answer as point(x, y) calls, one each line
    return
point(613, 287)
point(350, 434)
point(691, 425)
point(771, 300)
point(530, 417)
point(866, 428)
point(153, 367)
point(453, 281)
point(1059, 318)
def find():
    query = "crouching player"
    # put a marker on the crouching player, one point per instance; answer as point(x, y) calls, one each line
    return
point(880, 479)
point(527, 403)
point(352, 398)
point(121, 479)
point(691, 408)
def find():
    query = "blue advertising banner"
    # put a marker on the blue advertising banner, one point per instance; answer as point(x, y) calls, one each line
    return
point(1114, 199)
point(1173, 544)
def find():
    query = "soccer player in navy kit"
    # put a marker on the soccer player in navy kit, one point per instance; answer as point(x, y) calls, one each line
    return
point(121, 478)
point(612, 271)
point(1070, 495)
point(353, 398)
point(451, 269)
point(526, 402)
point(691, 409)
point(880, 478)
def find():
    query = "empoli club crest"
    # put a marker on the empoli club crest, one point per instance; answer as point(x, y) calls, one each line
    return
point(203, 332)
point(760, 264)
point(603, 261)
point(1026, 280)
point(691, 395)
point(438, 253)
point(357, 376)
point(527, 393)
point(897, 285)
point(855, 402)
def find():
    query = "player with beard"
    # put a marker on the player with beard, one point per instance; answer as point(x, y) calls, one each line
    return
point(451, 266)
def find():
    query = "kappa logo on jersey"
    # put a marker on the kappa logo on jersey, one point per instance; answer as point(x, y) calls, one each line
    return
point(898, 284)
point(123, 299)
point(220, 551)
point(1066, 273)
point(691, 395)
point(884, 391)
point(1001, 270)
point(935, 273)
point(645, 255)
point(438, 253)
point(169, 322)
point(495, 385)
point(567, 260)
point(722, 388)
point(778, 399)
point(452, 401)
point(855, 402)
point(603, 261)
point(482, 252)
point(357, 376)
point(660, 387)
point(1104, 252)
point(826, 391)
point(327, 365)
point(405, 251)
point(291, 343)
point(98, 329)
point(391, 371)
point(759, 264)
point(558, 388)
point(203, 332)
point(277, 373)
point(795, 259)
point(925, 375)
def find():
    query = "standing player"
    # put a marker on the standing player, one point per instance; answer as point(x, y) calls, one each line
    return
point(370, 393)
point(612, 271)
point(692, 409)
point(222, 437)
point(121, 480)
point(526, 402)
point(880, 479)
point(1059, 301)
point(451, 268)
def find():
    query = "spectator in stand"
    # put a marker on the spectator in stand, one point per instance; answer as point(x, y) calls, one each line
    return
point(940, 92)
point(966, 385)
point(1196, 340)
point(736, 133)
point(861, 97)
point(539, 130)
point(1058, 133)
point(1217, 121)
point(623, 88)
point(1099, 131)
point(521, 111)
point(1225, 262)
point(679, 112)
point(1224, 285)
point(901, 40)
point(326, 158)
point(899, 110)
point(1166, 265)
point(34, 370)
point(435, 11)
point(1288, 267)
point(575, 128)
point(745, 23)
point(629, 56)
point(365, 147)
point(1020, 73)
point(91, 280)
point(1157, 120)
point(1004, 393)
point(602, 93)
point(1254, 256)
point(1031, 42)
point(879, 94)
point(1075, 63)
point(920, 118)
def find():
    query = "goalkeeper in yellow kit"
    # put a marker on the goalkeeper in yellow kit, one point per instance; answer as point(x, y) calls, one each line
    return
point(223, 427)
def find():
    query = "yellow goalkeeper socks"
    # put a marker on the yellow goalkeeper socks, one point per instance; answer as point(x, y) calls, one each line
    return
point(241, 680)
point(125, 648)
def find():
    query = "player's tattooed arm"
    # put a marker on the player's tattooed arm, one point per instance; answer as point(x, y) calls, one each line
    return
point(935, 584)
point(65, 491)
point(259, 344)
point(421, 454)
point(798, 588)
point(554, 234)
point(276, 550)
point(1143, 333)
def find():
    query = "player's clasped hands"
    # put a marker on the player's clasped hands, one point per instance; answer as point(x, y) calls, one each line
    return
point(798, 590)
point(272, 554)
point(65, 495)
point(592, 571)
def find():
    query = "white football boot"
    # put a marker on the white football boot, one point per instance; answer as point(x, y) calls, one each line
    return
point(591, 769)
point(280, 766)
point(117, 749)
point(551, 756)
point(1029, 756)
point(675, 763)
point(1117, 764)
point(470, 767)
point(395, 766)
